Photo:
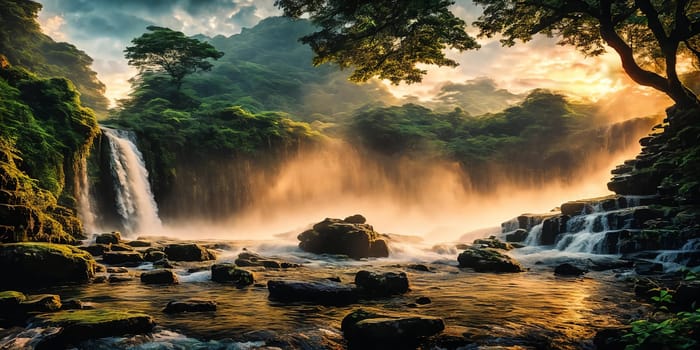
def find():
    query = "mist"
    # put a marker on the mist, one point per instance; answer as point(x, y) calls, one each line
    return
point(432, 199)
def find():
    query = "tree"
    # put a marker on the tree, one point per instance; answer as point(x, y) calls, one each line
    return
point(650, 36)
point(165, 50)
point(382, 38)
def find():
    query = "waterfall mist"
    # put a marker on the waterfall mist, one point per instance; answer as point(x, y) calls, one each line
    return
point(435, 199)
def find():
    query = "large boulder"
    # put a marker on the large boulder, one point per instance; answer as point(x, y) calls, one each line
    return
point(518, 235)
point(79, 325)
point(230, 273)
point(567, 269)
point(321, 292)
point(368, 330)
point(336, 236)
point(493, 242)
point(488, 260)
point(159, 276)
point(188, 252)
point(43, 264)
point(372, 284)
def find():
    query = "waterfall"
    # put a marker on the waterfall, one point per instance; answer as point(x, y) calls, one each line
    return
point(134, 199)
point(85, 207)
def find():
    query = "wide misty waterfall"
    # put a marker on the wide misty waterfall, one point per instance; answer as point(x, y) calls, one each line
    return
point(134, 200)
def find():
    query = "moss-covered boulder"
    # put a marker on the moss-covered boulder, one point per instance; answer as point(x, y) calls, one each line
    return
point(76, 326)
point(230, 273)
point(318, 292)
point(488, 260)
point(336, 236)
point(32, 264)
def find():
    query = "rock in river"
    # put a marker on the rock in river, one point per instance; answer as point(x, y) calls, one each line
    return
point(488, 260)
point(336, 236)
point(372, 284)
point(43, 264)
point(190, 305)
point(129, 258)
point(321, 292)
point(227, 272)
point(79, 325)
point(159, 276)
point(188, 252)
point(368, 330)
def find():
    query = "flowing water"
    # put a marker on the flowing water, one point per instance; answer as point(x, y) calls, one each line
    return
point(531, 309)
point(135, 202)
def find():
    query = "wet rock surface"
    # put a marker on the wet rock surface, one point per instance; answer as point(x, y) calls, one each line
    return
point(370, 330)
point(488, 260)
point(335, 236)
point(317, 292)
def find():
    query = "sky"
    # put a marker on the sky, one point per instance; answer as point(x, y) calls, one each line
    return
point(103, 28)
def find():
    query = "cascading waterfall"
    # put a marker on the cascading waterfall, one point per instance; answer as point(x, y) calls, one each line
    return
point(134, 199)
point(85, 205)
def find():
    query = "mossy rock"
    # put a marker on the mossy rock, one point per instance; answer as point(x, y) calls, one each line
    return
point(488, 260)
point(43, 264)
point(11, 298)
point(80, 325)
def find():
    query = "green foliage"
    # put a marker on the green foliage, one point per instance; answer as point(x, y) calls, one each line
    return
point(649, 36)
point(23, 43)
point(664, 297)
point(677, 332)
point(165, 50)
point(44, 132)
point(382, 38)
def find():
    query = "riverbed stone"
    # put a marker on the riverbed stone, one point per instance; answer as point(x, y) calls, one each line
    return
point(567, 269)
point(488, 260)
point(96, 249)
point(188, 252)
point(128, 258)
point(79, 325)
point(230, 273)
point(248, 258)
point(493, 242)
point(336, 236)
point(371, 284)
point(370, 330)
point(120, 247)
point(159, 276)
point(154, 255)
point(43, 264)
point(120, 277)
point(318, 292)
point(41, 303)
point(139, 243)
point(108, 238)
point(190, 305)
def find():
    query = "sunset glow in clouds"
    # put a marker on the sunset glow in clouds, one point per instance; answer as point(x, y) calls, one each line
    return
point(103, 28)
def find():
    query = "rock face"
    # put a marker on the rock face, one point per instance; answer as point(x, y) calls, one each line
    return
point(159, 276)
point(43, 264)
point(335, 236)
point(190, 305)
point(372, 284)
point(229, 273)
point(80, 325)
point(188, 252)
point(368, 330)
point(320, 292)
point(488, 260)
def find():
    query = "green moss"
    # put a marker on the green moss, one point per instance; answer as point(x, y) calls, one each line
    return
point(91, 317)
point(11, 297)
point(52, 248)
